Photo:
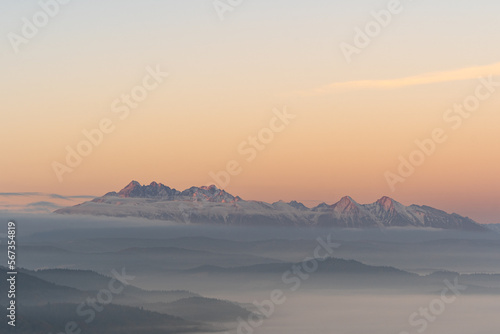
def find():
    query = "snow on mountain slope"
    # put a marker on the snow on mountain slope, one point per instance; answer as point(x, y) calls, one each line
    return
point(213, 205)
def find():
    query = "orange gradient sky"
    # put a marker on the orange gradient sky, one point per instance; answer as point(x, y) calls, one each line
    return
point(353, 120)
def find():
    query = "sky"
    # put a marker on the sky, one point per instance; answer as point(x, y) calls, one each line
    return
point(211, 75)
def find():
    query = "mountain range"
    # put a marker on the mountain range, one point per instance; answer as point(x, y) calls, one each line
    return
point(52, 296)
point(209, 204)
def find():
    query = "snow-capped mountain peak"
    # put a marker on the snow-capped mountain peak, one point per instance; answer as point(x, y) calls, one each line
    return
point(298, 205)
point(386, 203)
point(135, 190)
point(129, 188)
point(211, 188)
point(346, 204)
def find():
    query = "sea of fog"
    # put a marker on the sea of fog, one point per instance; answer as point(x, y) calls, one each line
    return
point(313, 311)
point(322, 313)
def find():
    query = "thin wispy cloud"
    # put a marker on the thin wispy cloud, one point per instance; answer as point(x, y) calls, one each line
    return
point(415, 80)
point(44, 204)
point(37, 202)
point(28, 194)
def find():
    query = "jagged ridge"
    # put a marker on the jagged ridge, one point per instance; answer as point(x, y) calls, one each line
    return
point(208, 204)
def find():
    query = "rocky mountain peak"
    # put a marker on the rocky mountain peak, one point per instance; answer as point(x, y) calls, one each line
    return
point(387, 203)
